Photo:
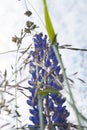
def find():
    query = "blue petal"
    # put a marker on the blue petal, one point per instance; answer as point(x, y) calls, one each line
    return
point(47, 62)
point(35, 119)
point(34, 112)
point(29, 102)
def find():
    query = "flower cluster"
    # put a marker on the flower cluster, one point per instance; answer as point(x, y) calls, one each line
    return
point(45, 70)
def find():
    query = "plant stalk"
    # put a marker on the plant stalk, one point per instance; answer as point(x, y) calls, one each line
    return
point(40, 105)
point(67, 83)
point(40, 112)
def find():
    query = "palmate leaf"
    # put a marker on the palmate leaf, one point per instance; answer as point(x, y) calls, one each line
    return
point(49, 26)
point(46, 91)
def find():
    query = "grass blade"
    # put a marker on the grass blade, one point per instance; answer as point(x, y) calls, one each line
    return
point(48, 22)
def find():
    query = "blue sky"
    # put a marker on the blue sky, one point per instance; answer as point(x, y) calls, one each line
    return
point(69, 18)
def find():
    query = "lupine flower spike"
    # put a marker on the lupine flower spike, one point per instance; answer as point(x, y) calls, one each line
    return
point(49, 77)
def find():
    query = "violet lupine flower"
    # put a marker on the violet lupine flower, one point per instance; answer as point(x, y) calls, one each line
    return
point(49, 76)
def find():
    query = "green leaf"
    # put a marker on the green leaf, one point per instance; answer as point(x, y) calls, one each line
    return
point(48, 90)
point(49, 26)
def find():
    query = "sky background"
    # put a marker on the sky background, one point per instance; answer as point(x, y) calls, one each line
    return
point(69, 18)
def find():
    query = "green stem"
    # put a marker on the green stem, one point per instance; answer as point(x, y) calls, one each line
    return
point(67, 82)
point(40, 112)
point(40, 105)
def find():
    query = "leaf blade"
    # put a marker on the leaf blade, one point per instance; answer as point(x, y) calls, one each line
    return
point(47, 91)
point(49, 26)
